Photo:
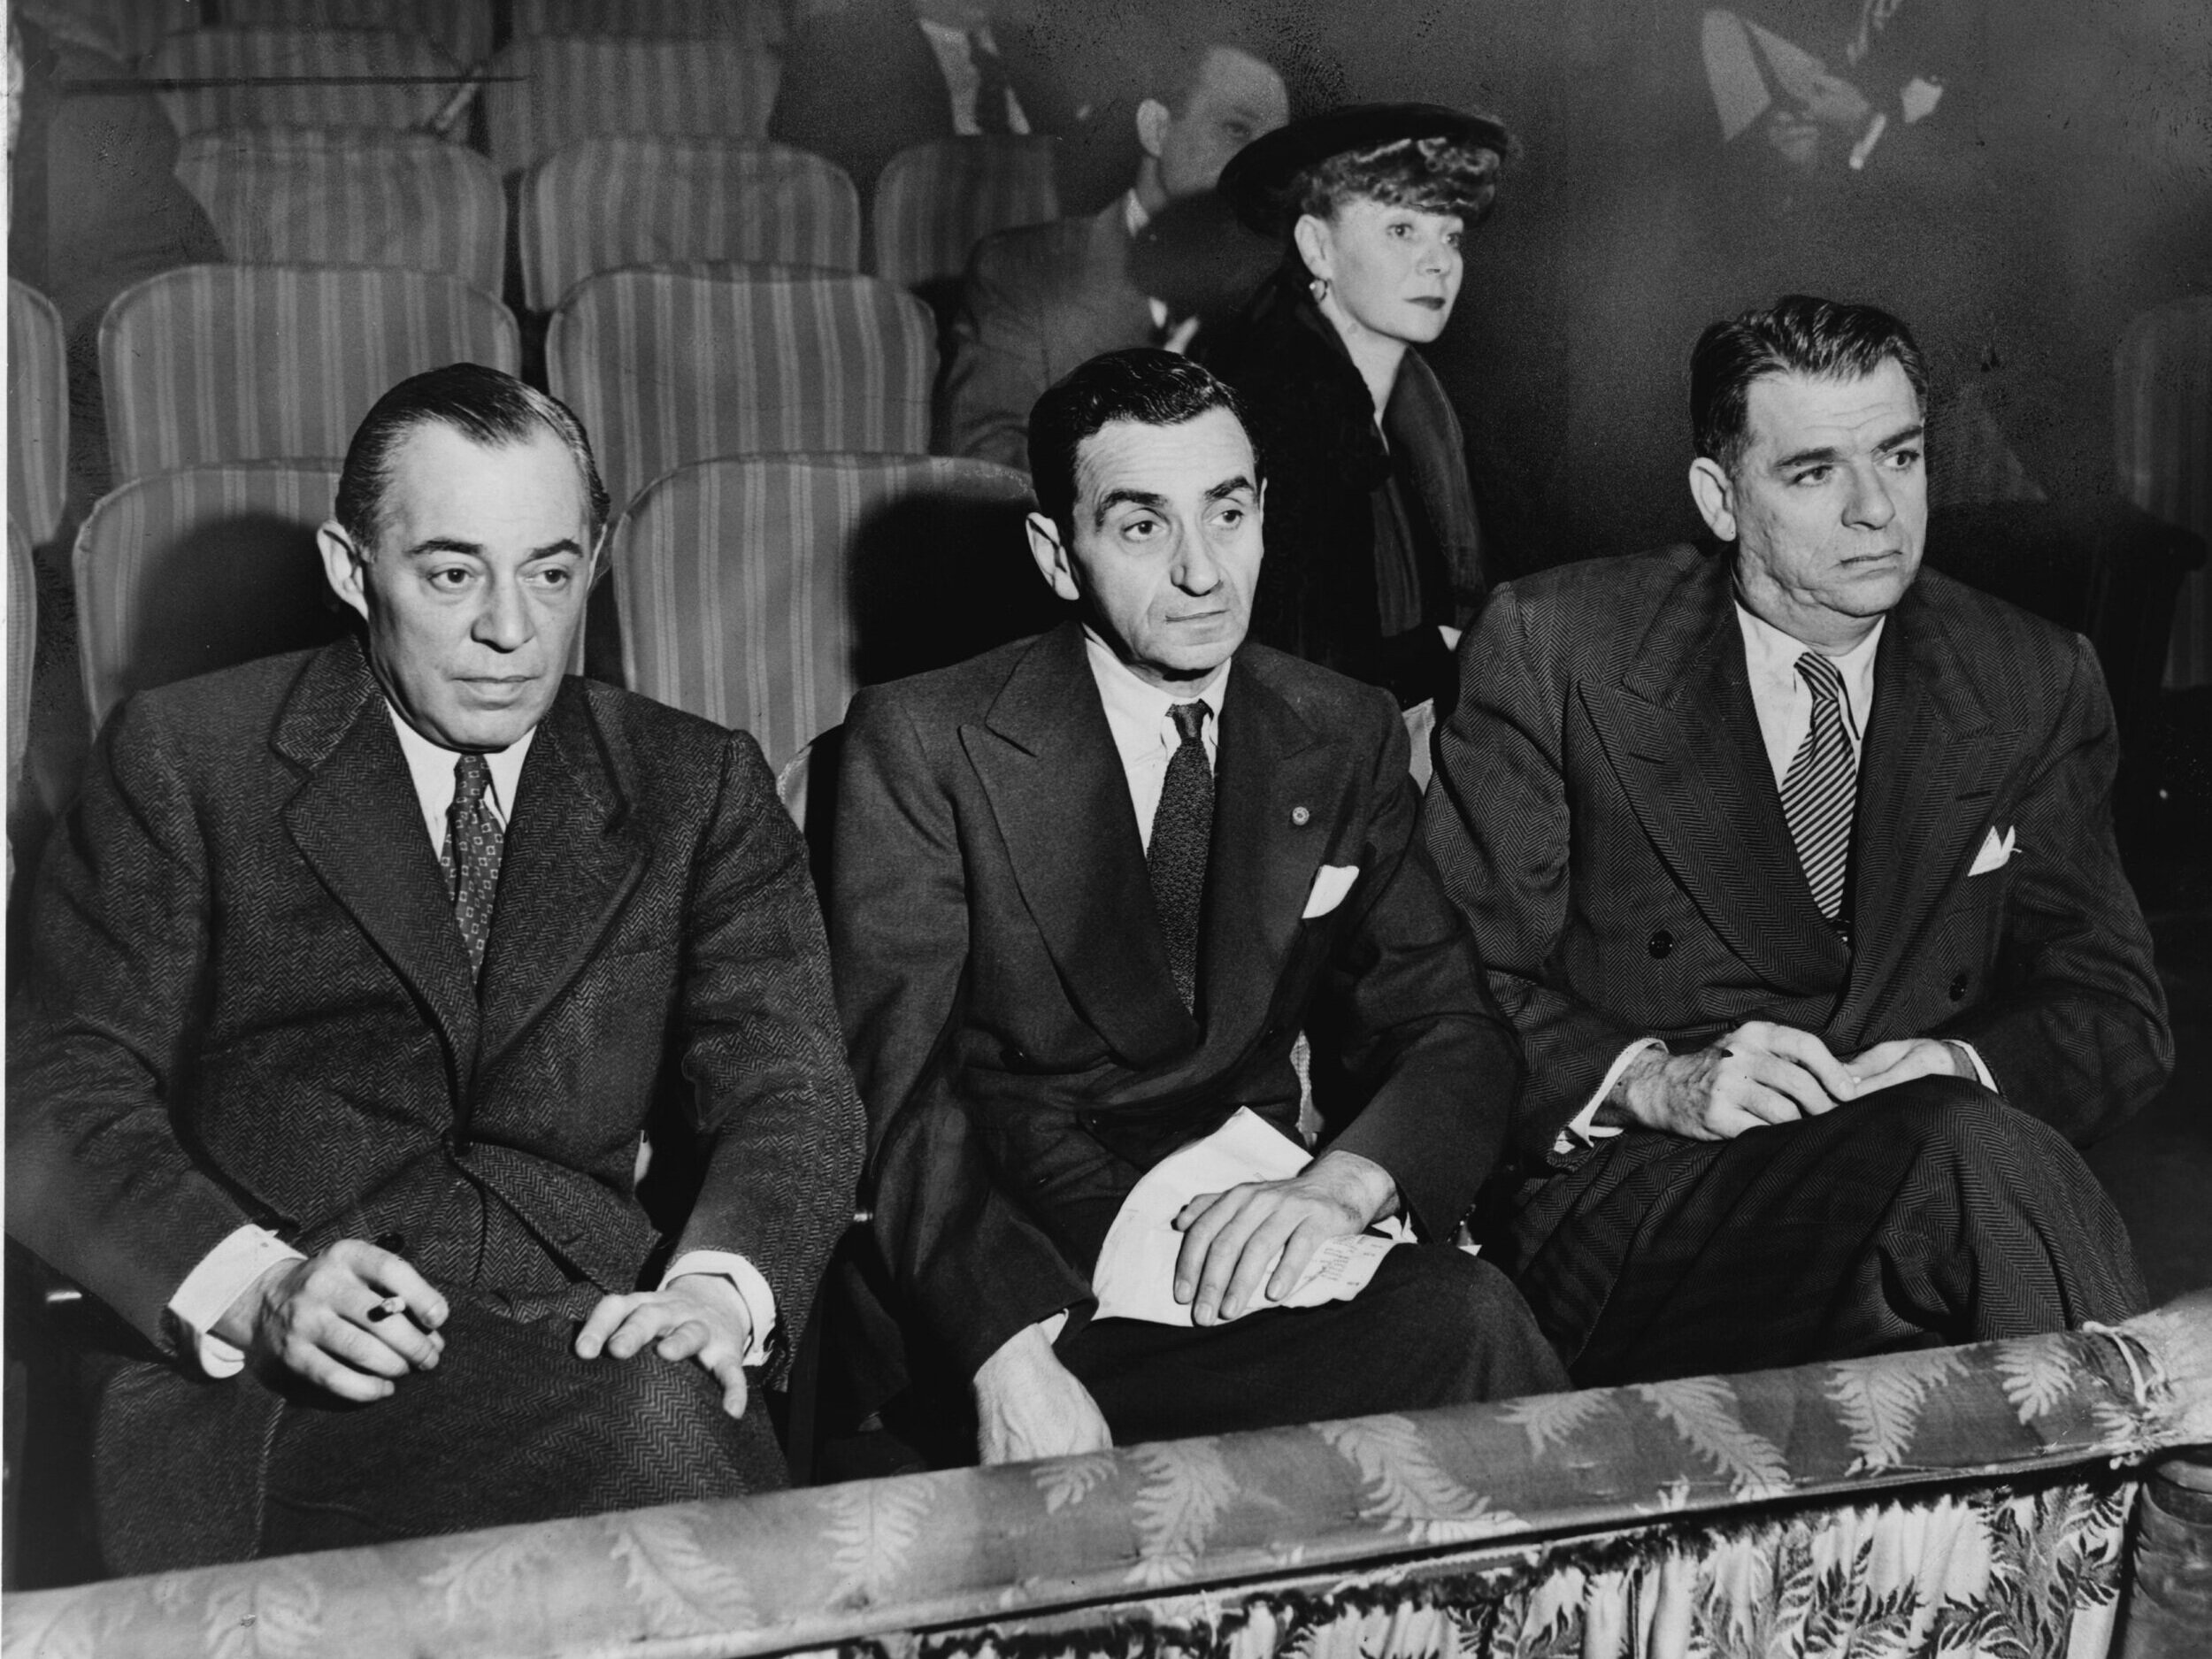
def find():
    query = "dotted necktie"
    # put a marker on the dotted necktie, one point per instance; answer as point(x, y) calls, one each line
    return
point(474, 838)
point(1182, 831)
point(1817, 794)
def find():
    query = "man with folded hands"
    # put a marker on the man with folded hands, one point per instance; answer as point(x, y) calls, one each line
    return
point(1793, 867)
point(1088, 888)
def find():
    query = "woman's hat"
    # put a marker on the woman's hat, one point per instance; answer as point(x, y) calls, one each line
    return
point(1258, 179)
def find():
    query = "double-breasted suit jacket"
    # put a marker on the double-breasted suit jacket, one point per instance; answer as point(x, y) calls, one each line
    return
point(1605, 812)
point(249, 1002)
point(1007, 996)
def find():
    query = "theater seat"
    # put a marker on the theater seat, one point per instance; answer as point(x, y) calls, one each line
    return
point(551, 90)
point(936, 201)
point(38, 414)
point(192, 570)
point(301, 77)
point(603, 203)
point(340, 195)
point(462, 27)
point(223, 363)
point(760, 23)
point(22, 648)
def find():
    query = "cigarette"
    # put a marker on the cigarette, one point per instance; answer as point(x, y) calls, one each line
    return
point(1865, 148)
point(387, 1307)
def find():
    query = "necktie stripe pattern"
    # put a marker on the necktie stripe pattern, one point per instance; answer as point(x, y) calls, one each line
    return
point(474, 840)
point(1182, 832)
point(1819, 791)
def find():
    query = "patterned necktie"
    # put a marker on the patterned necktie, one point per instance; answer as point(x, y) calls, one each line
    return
point(993, 83)
point(474, 840)
point(1182, 830)
point(1816, 795)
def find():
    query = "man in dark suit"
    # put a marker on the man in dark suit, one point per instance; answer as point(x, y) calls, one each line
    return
point(1039, 300)
point(1794, 868)
point(356, 974)
point(1088, 888)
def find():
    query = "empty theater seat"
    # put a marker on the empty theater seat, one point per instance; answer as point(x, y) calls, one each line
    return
point(551, 90)
point(350, 195)
point(241, 363)
point(463, 27)
point(301, 77)
point(605, 202)
point(936, 201)
point(668, 368)
point(38, 414)
point(759, 22)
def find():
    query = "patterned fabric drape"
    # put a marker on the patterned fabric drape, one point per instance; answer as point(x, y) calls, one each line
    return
point(548, 91)
point(937, 200)
point(306, 77)
point(38, 413)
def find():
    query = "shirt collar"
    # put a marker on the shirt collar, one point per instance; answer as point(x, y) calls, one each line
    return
point(1771, 655)
point(431, 766)
point(1135, 709)
point(1133, 215)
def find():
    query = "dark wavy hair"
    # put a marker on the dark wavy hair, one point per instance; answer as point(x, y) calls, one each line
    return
point(1433, 175)
point(1797, 335)
point(1144, 384)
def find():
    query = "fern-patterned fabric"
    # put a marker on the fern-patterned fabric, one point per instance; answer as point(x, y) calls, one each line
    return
point(936, 201)
point(350, 195)
point(463, 27)
point(2162, 422)
point(38, 413)
point(606, 203)
point(758, 22)
point(300, 77)
point(1960, 1500)
point(200, 568)
point(732, 580)
point(243, 363)
point(550, 90)
point(666, 369)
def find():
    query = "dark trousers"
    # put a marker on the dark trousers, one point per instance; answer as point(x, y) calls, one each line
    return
point(1435, 1327)
point(1932, 1213)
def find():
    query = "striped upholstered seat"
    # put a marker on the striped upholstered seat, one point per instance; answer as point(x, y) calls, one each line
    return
point(463, 27)
point(219, 363)
point(189, 571)
point(22, 646)
point(2162, 422)
point(551, 90)
point(301, 77)
point(38, 414)
point(666, 368)
point(124, 30)
point(936, 201)
point(736, 580)
point(605, 202)
point(350, 195)
point(759, 22)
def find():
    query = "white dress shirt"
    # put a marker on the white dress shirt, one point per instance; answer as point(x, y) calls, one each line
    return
point(225, 1272)
point(1144, 732)
point(964, 80)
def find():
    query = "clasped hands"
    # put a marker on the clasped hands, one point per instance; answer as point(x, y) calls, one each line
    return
point(1241, 1250)
point(354, 1319)
point(1762, 1073)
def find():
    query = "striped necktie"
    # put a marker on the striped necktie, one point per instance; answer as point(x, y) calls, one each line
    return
point(1182, 832)
point(1819, 791)
point(474, 840)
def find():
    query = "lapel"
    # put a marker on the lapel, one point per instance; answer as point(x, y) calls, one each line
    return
point(1929, 752)
point(1047, 765)
point(572, 856)
point(1682, 735)
point(1120, 309)
point(356, 822)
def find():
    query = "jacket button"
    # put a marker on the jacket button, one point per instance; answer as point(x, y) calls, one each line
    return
point(1958, 988)
point(392, 1244)
point(1660, 944)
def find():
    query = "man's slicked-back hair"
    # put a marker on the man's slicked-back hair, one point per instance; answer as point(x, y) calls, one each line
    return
point(1797, 335)
point(1177, 46)
point(487, 406)
point(1143, 384)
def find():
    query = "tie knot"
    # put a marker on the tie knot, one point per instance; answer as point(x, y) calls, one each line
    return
point(1190, 719)
point(1824, 677)
point(472, 776)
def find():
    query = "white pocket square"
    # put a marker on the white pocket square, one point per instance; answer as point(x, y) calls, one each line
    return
point(1331, 883)
point(1995, 853)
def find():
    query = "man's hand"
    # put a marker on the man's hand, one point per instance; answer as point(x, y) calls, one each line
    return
point(1757, 1074)
point(698, 1316)
point(1232, 1240)
point(352, 1319)
point(1029, 1405)
point(1886, 1065)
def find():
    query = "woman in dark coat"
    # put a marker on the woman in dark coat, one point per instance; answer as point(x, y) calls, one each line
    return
point(1374, 556)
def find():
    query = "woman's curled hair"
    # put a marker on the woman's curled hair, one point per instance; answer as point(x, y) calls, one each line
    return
point(1432, 175)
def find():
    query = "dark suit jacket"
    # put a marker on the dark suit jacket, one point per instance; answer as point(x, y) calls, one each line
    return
point(249, 1001)
point(1036, 302)
point(1605, 814)
point(1006, 993)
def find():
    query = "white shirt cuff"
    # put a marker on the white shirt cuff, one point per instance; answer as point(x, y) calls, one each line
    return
point(752, 1290)
point(1981, 1072)
point(224, 1274)
point(1581, 1129)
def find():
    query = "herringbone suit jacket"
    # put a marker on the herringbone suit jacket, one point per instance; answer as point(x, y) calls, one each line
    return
point(1605, 814)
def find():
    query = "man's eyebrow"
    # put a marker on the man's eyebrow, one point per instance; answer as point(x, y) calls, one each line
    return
point(1114, 498)
point(1828, 455)
point(1228, 486)
point(1910, 434)
point(476, 549)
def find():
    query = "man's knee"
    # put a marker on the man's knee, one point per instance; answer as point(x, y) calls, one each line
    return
point(1955, 1118)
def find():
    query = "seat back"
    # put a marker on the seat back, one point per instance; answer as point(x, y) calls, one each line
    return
point(350, 195)
point(936, 201)
point(462, 27)
point(668, 368)
point(243, 363)
point(38, 414)
point(751, 591)
point(758, 22)
point(22, 646)
point(547, 91)
point(189, 571)
point(606, 203)
point(301, 77)
point(2162, 386)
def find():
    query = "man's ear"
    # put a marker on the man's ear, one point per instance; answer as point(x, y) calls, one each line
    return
point(1715, 494)
point(1051, 554)
point(1153, 119)
point(1314, 244)
point(345, 567)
